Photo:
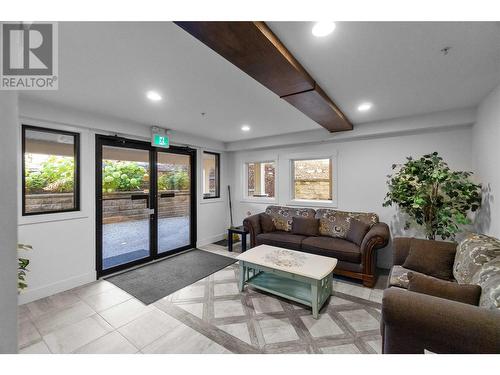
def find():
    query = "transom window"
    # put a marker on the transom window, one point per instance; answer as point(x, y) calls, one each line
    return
point(261, 179)
point(312, 179)
point(50, 179)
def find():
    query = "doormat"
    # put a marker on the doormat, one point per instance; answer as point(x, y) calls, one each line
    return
point(154, 281)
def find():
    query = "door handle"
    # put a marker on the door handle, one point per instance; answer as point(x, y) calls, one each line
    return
point(139, 196)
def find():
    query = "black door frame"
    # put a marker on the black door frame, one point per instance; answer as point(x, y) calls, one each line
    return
point(104, 140)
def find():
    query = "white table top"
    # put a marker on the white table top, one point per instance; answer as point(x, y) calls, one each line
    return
point(296, 262)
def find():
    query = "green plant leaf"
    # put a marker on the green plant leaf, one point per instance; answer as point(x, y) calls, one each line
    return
point(434, 197)
point(22, 268)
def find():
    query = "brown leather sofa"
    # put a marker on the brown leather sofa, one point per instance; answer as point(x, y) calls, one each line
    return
point(354, 260)
point(413, 322)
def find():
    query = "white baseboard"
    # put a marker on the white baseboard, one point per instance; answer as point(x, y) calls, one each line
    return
point(32, 294)
point(209, 240)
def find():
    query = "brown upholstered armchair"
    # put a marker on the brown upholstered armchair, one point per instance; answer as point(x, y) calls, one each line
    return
point(413, 322)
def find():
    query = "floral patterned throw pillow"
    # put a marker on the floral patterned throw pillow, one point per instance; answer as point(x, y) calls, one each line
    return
point(472, 253)
point(282, 216)
point(334, 223)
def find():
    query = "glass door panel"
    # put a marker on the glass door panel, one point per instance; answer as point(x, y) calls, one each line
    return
point(174, 201)
point(125, 207)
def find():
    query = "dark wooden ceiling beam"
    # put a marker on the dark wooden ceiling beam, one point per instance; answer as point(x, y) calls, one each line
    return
point(253, 47)
point(320, 108)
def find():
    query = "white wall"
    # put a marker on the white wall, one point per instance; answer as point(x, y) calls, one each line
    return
point(8, 235)
point(213, 217)
point(486, 151)
point(363, 164)
point(389, 128)
point(64, 244)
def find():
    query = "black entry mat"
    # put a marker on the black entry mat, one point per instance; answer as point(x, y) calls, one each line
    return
point(124, 258)
point(157, 280)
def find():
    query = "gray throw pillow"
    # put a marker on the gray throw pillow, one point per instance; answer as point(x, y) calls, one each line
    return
point(431, 286)
point(305, 226)
point(266, 223)
point(433, 258)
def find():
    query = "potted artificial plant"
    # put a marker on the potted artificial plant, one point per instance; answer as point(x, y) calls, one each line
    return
point(22, 268)
point(433, 196)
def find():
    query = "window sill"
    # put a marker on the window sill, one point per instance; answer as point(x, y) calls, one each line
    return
point(312, 203)
point(259, 200)
point(211, 200)
point(47, 218)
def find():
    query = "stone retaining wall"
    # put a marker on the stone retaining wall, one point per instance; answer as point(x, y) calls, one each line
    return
point(116, 207)
point(49, 202)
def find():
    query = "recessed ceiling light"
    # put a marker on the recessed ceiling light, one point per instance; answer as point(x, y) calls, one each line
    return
point(245, 128)
point(321, 29)
point(363, 107)
point(154, 96)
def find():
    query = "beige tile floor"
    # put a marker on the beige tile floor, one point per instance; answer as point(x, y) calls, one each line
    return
point(101, 318)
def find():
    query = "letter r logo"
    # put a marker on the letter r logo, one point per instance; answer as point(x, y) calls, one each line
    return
point(27, 49)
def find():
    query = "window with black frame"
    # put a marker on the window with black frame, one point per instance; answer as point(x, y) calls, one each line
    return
point(211, 175)
point(50, 171)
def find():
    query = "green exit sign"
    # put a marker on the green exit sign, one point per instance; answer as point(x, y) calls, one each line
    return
point(159, 137)
point(161, 141)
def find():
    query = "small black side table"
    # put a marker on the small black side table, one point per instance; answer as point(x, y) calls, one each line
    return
point(238, 230)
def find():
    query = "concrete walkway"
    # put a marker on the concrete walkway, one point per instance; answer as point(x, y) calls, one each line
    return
point(131, 236)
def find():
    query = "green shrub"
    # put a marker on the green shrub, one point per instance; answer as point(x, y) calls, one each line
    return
point(56, 175)
point(123, 176)
point(130, 176)
point(178, 180)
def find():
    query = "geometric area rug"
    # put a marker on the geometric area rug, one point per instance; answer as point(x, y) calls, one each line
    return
point(256, 322)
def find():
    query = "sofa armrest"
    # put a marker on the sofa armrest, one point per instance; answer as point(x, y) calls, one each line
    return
point(413, 322)
point(376, 238)
point(252, 225)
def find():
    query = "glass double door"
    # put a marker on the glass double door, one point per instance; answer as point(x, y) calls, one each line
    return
point(145, 202)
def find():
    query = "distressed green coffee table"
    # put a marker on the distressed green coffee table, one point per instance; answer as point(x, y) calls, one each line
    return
point(294, 275)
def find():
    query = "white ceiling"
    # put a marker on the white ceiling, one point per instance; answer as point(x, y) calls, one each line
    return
point(398, 66)
point(107, 68)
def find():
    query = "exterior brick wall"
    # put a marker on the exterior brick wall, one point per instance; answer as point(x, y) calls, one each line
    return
point(270, 179)
point(312, 189)
point(269, 183)
point(312, 179)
